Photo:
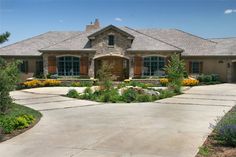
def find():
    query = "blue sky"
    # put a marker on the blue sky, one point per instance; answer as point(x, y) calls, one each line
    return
point(206, 18)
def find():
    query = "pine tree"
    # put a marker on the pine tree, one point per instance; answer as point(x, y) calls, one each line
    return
point(4, 37)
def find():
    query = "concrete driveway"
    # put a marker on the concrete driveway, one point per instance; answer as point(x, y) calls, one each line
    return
point(173, 127)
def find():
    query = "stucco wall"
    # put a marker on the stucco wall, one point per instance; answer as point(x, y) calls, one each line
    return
point(214, 65)
point(31, 65)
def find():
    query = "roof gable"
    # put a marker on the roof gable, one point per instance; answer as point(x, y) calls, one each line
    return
point(94, 34)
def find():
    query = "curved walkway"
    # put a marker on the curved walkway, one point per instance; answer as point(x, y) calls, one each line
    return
point(173, 127)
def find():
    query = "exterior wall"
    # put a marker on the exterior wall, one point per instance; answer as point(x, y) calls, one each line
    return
point(214, 65)
point(31, 65)
point(100, 43)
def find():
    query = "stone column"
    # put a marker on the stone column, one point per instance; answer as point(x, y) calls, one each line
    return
point(45, 64)
point(131, 67)
point(91, 67)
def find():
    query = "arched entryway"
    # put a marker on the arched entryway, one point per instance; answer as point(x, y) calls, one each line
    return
point(120, 66)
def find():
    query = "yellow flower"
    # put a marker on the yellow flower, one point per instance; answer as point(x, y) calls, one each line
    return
point(164, 81)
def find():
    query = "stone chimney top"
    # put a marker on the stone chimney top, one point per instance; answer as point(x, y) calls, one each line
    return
point(93, 26)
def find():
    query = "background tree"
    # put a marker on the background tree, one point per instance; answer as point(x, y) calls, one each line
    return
point(9, 73)
point(4, 37)
point(175, 73)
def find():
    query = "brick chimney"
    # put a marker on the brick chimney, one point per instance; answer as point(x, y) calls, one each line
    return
point(93, 26)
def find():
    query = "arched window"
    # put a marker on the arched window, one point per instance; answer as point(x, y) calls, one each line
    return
point(153, 66)
point(68, 66)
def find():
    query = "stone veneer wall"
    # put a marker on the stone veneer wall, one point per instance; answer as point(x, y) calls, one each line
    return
point(100, 43)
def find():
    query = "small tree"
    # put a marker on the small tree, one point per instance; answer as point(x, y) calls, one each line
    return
point(175, 73)
point(105, 75)
point(9, 73)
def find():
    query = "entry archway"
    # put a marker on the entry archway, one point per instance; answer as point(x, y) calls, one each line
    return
point(120, 66)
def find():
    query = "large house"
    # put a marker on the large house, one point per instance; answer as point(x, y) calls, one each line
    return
point(134, 53)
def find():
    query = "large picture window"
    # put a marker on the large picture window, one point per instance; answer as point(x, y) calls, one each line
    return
point(68, 66)
point(153, 66)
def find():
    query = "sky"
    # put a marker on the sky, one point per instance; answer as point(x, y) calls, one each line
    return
point(205, 18)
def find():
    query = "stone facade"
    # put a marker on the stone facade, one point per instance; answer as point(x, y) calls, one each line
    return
point(100, 43)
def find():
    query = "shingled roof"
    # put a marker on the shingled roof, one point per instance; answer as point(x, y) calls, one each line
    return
point(141, 42)
point(144, 40)
point(192, 45)
point(30, 47)
point(225, 46)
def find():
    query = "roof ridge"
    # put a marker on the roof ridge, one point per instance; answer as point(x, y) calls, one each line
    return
point(223, 38)
point(79, 33)
point(154, 38)
point(194, 35)
point(25, 39)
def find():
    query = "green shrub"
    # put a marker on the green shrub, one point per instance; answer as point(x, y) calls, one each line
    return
point(204, 151)
point(72, 93)
point(226, 129)
point(209, 79)
point(10, 124)
point(166, 94)
point(215, 77)
point(144, 98)
point(129, 95)
point(137, 84)
point(75, 84)
point(110, 96)
point(88, 90)
point(86, 83)
point(21, 123)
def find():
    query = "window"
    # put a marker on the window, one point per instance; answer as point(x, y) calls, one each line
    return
point(195, 67)
point(24, 67)
point(111, 40)
point(39, 67)
point(68, 66)
point(153, 66)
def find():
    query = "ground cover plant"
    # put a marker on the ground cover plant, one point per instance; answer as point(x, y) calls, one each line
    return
point(17, 118)
point(222, 141)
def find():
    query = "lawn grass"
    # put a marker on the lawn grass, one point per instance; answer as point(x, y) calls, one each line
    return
point(15, 111)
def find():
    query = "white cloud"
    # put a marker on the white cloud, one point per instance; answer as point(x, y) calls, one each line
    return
point(230, 11)
point(118, 19)
point(61, 21)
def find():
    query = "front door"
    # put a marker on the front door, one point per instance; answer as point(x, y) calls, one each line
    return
point(119, 66)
